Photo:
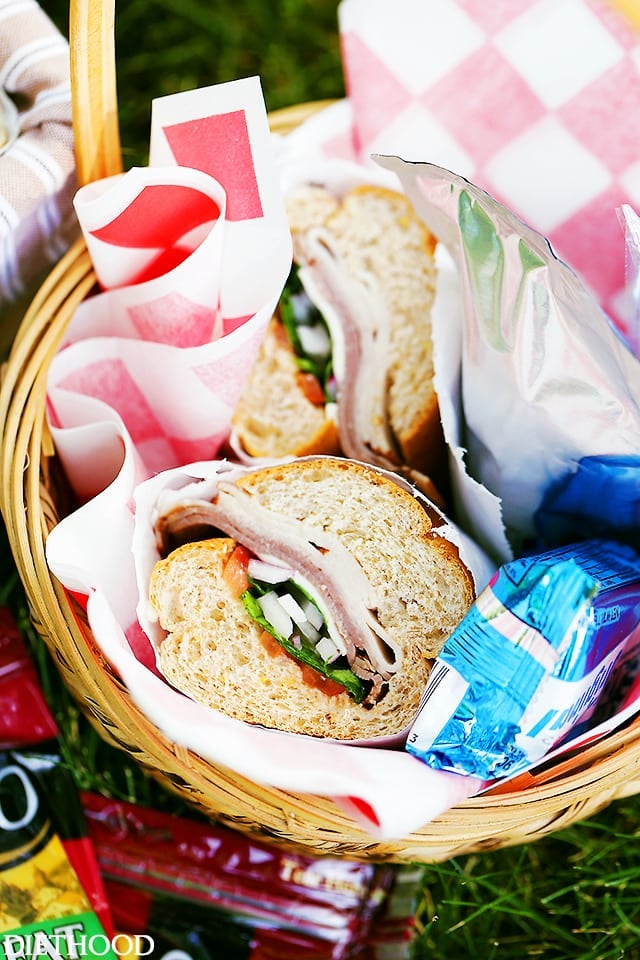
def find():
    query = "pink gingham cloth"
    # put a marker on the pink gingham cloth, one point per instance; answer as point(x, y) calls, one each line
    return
point(37, 162)
point(536, 101)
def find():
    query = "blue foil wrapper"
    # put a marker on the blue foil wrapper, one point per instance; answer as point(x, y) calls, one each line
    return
point(602, 495)
point(530, 661)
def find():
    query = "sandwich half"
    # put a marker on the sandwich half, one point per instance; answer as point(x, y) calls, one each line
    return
point(310, 596)
point(347, 362)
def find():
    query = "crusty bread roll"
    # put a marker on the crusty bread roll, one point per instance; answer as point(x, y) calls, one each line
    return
point(382, 557)
point(308, 205)
point(275, 418)
point(381, 254)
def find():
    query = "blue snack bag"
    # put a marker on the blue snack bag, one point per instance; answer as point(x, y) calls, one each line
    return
point(602, 495)
point(527, 667)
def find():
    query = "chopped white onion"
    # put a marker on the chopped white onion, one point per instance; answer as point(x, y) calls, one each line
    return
point(330, 315)
point(275, 613)
point(312, 613)
point(315, 340)
point(327, 650)
point(268, 572)
point(331, 411)
point(296, 641)
point(332, 630)
point(293, 608)
point(309, 631)
point(299, 617)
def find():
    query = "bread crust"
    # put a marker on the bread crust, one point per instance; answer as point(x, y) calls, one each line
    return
point(378, 234)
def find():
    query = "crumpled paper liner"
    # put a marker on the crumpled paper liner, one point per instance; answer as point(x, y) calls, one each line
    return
point(400, 792)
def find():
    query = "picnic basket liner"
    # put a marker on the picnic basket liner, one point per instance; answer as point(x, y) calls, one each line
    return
point(33, 498)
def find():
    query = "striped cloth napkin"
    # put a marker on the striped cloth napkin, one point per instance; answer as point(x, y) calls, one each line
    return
point(37, 163)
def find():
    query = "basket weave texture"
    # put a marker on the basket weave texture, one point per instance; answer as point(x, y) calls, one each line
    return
point(33, 498)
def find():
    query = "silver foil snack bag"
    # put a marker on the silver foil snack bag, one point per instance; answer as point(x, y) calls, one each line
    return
point(533, 378)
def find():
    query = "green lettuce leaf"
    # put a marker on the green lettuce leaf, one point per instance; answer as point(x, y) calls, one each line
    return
point(295, 308)
point(307, 653)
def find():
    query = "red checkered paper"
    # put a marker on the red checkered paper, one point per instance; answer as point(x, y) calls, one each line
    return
point(234, 147)
point(191, 254)
point(536, 101)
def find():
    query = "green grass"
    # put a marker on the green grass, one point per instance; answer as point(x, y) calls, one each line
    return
point(571, 896)
point(166, 46)
point(574, 895)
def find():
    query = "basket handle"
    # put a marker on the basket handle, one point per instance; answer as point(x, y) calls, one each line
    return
point(93, 89)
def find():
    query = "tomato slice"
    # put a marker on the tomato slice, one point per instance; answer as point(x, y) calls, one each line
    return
point(235, 570)
point(311, 387)
point(271, 645)
point(313, 678)
point(309, 676)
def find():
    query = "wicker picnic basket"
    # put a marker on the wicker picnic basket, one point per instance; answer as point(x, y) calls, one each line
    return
point(33, 498)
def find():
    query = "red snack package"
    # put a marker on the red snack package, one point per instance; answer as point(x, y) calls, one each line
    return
point(393, 928)
point(25, 717)
point(52, 899)
point(209, 892)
